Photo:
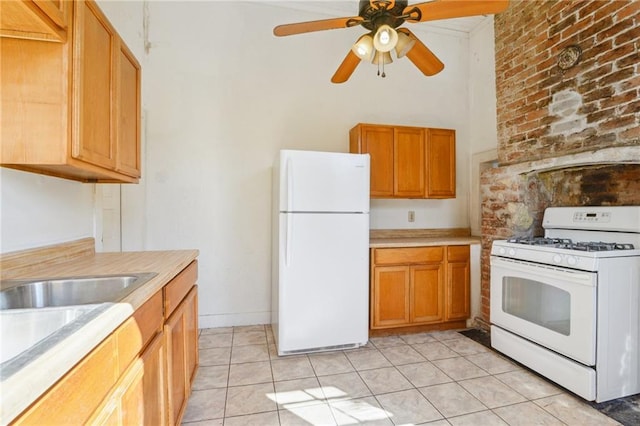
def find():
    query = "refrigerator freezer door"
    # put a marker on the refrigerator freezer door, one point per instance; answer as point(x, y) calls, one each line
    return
point(323, 281)
point(313, 181)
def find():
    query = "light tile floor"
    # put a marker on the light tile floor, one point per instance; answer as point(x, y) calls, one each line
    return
point(439, 378)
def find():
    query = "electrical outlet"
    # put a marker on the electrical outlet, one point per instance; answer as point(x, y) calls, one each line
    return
point(412, 216)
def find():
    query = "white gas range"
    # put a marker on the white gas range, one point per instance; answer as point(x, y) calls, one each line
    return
point(567, 304)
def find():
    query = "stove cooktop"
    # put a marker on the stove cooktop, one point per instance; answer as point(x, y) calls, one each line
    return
point(564, 252)
point(566, 243)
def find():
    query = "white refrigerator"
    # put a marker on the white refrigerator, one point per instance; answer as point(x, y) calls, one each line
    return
point(320, 271)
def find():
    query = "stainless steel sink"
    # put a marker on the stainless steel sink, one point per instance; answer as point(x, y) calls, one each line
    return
point(23, 328)
point(44, 293)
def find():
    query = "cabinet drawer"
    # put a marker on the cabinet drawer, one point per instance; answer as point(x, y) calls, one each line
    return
point(138, 330)
point(457, 253)
point(178, 288)
point(407, 255)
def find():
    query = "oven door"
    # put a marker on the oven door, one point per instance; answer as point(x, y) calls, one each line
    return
point(554, 307)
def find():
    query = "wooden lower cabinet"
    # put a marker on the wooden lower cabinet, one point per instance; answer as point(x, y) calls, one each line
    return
point(154, 382)
point(390, 296)
point(419, 286)
point(141, 374)
point(427, 299)
point(458, 284)
point(125, 404)
point(182, 354)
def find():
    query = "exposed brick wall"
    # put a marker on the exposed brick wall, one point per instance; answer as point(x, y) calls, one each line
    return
point(545, 112)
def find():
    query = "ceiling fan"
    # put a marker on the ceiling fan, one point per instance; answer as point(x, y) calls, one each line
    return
point(383, 19)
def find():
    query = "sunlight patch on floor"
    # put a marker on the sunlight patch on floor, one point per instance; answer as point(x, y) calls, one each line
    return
point(314, 404)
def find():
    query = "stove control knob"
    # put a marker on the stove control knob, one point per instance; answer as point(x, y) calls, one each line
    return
point(512, 252)
point(572, 260)
point(557, 258)
point(502, 250)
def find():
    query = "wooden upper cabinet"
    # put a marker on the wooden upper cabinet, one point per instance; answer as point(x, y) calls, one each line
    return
point(408, 162)
point(377, 141)
point(94, 81)
point(441, 163)
point(403, 163)
point(34, 19)
point(128, 106)
point(72, 110)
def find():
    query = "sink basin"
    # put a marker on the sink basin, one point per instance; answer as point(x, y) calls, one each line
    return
point(44, 293)
point(23, 328)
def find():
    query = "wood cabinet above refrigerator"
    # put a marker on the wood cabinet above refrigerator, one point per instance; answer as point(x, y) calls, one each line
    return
point(407, 162)
point(72, 110)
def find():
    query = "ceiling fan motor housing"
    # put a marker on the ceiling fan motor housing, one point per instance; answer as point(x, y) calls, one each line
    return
point(374, 17)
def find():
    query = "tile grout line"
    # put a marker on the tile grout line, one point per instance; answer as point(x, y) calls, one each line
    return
point(379, 350)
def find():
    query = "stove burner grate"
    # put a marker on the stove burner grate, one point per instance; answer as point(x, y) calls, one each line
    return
point(565, 243)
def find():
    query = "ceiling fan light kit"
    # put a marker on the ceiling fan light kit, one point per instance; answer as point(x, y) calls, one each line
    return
point(382, 58)
point(363, 48)
point(383, 19)
point(404, 45)
point(385, 39)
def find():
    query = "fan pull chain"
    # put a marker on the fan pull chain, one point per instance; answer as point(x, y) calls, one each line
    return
point(383, 75)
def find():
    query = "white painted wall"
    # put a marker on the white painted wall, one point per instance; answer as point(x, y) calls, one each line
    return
point(38, 210)
point(483, 125)
point(222, 96)
point(482, 115)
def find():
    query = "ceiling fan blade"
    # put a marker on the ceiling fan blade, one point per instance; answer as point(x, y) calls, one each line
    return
point(310, 26)
point(346, 68)
point(422, 57)
point(446, 9)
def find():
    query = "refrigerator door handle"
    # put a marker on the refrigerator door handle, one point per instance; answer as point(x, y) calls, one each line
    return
point(289, 184)
point(287, 244)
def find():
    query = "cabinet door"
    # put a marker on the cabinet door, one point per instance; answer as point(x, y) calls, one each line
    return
point(458, 283)
point(408, 162)
point(127, 104)
point(427, 293)
point(154, 382)
point(191, 335)
point(182, 353)
point(124, 405)
point(175, 331)
point(390, 299)
point(377, 141)
point(441, 163)
point(94, 83)
point(133, 398)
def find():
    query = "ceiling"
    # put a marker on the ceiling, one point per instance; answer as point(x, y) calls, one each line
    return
point(334, 9)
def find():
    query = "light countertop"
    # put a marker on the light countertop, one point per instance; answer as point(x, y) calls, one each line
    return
point(381, 238)
point(27, 376)
point(422, 241)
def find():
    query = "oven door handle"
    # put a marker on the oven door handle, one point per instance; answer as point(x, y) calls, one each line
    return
point(548, 271)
